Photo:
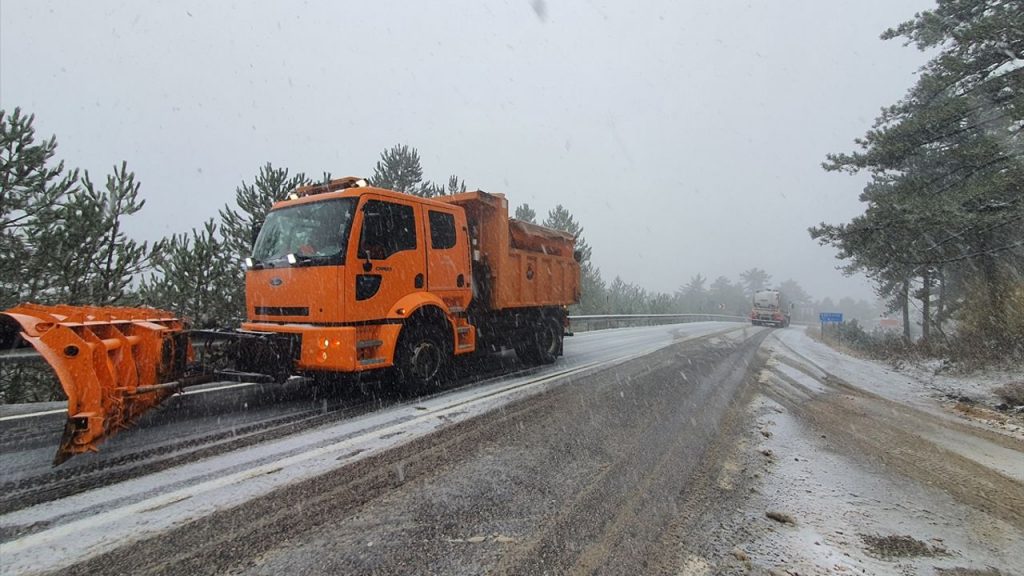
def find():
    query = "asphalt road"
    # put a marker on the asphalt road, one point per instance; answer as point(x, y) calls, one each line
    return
point(692, 449)
point(207, 460)
point(223, 417)
point(584, 476)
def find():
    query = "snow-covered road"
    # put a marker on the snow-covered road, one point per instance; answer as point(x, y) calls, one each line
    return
point(62, 531)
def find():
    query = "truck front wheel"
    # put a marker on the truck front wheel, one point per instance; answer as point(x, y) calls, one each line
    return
point(422, 360)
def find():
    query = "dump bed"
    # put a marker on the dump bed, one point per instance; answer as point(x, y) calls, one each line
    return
point(517, 264)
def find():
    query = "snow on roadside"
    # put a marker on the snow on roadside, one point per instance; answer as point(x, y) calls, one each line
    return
point(837, 503)
point(913, 385)
point(978, 386)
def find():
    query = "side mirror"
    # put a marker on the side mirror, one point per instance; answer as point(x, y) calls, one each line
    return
point(364, 253)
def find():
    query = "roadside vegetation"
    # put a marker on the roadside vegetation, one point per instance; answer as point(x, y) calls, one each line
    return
point(63, 243)
point(943, 225)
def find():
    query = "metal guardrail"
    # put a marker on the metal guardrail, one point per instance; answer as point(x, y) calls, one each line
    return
point(589, 322)
point(20, 355)
point(580, 323)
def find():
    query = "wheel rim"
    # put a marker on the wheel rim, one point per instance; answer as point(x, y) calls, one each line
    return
point(426, 360)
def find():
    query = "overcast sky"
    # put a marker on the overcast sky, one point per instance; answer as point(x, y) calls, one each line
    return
point(686, 136)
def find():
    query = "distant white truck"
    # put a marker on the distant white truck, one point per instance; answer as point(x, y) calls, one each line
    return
point(771, 308)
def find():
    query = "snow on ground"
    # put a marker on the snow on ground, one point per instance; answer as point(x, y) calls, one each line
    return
point(861, 468)
point(837, 502)
point(113, 515)
point(916, 386)
point(977, 385)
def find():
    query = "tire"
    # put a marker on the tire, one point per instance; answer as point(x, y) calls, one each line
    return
point(422, 358)
point(543, 345)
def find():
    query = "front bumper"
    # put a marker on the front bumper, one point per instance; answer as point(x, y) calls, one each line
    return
point(331, 348)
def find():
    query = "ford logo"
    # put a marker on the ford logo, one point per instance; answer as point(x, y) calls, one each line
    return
point(276, 281)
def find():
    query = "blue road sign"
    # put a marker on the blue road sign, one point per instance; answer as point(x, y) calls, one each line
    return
point(830, 317)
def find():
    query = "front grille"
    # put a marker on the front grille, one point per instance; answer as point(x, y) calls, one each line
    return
point(282, 311)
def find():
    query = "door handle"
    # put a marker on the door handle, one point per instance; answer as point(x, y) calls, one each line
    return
point(418, 281)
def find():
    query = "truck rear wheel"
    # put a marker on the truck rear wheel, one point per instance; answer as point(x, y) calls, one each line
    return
point(543, 346)
point(422, 358)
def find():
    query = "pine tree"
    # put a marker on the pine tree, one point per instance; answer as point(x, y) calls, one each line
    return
point(593, 291)
point(88, 257)
point(456, 185)
point(728, 298)
point(193, 278)
point(428, 189)
point(560, 218)
point(693, 297)
point(61, 239)
point(755, 279)
point(399, 169)
point(946, 163)
point(32, 186)
point(594, 297)
point(238, 225)
point(526, 214)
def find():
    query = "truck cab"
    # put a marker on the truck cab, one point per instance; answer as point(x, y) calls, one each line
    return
point(338, 269)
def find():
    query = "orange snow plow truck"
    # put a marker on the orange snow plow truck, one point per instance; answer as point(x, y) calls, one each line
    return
point(343, 278)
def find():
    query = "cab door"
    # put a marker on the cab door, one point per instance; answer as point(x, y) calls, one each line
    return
point(387, 261)
point(448, 271)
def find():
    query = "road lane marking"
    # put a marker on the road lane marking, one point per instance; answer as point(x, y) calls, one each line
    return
point(188, 393)
point(33, 414)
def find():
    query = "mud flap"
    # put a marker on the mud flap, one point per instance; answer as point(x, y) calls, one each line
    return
point(113, 363)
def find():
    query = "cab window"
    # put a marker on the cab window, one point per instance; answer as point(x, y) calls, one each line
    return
point(387, 228)
point(442, 230)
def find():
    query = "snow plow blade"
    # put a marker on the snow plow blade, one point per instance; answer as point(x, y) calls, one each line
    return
point(113, 363)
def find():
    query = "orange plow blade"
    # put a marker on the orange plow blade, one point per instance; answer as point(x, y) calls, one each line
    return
point(113, 363)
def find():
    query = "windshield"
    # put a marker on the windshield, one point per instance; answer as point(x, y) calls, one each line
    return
point(314, 232)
